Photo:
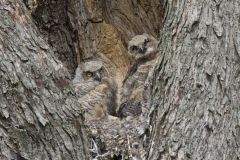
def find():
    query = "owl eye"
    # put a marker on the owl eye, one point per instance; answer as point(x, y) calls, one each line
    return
point(89, 74)
point(134, 48)
point(146, 41)
point(100, 71)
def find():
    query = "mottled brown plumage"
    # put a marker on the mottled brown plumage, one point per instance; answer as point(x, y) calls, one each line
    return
point(96, 89)
point(143, 50)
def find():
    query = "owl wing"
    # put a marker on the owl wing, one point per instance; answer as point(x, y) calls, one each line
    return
point(133, 101)
point(130, 108)
point(138, 62)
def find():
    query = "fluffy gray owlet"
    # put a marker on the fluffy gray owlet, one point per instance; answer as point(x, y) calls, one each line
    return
point(96, 89)
point(134, 95)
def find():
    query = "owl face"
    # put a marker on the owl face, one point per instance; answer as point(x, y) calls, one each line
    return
point(96, 88)
point(94, 75)
point(93, 70)
point(141, 45)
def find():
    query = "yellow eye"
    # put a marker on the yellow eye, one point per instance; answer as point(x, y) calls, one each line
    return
point(89, 74)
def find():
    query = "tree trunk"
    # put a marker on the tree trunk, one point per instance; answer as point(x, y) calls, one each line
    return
point(196, 93)
point(39, 115)
point(79, 30)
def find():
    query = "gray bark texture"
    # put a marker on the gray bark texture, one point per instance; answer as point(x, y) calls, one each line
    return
point(79, 30)
point(196, 93)
point(39, 115)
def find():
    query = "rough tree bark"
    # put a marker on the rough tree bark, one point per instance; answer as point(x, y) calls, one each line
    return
point(196, 91)
point(195, 94)
point(39, 115)
point(80, 29)
point(40, 118)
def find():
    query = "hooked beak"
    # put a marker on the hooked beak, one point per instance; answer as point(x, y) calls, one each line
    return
point(97, 77)
point(142, 49)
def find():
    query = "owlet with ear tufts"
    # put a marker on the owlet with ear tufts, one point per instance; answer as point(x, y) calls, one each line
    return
point(135, 92)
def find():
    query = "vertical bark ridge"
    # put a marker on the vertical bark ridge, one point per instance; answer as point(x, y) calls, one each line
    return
point(39, 115)
point(196, 91)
